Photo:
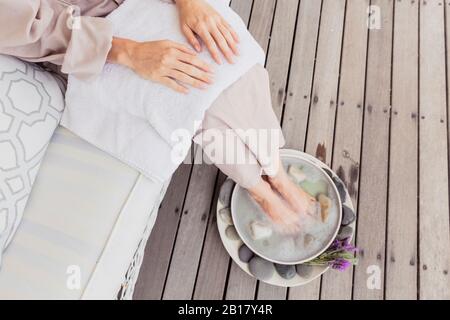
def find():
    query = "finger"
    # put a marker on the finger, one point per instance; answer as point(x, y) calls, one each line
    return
point(229, 38)
point(186, 79)
point(231, 30)
point(222, 44)
point(193, 72)
point(183, 48)
point(174, 85)
point(190, 36)
point(195, 61)
point(211, 45)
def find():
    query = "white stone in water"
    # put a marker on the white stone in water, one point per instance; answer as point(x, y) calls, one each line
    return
point(325, 206)
point(297, 173)
point(308, 239)
point(260, 230)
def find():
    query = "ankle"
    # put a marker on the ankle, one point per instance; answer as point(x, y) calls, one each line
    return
point(262, 191)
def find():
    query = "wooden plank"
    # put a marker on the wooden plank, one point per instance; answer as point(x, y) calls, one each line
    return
point(268, 292)
point(189, 242)
point(433, 158)
point(347, 144)
point(278, 61)
point(214, 262)
point(152, 276)
point(260, 27)
point(309, 291)
point(371, 231)
point(279, 52)
point(243, 8)
point(401, 264)
point(323, 110)
point(240, 285)
point(296, 111)
point(261, 21)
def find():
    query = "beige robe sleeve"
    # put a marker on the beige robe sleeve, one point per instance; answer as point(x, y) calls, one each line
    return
point(42, 30)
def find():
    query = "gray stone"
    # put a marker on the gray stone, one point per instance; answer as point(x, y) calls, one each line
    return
point(285, 271)
point(245, 254)
point(225, 216)
point(341, 188)
point(345, 232)
point(260, 268)
point(348, 216)
point(328, 172)
point(225, 193)
point(231, 233)
point(304, 270)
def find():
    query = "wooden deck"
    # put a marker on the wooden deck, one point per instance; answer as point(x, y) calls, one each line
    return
point(370, 102)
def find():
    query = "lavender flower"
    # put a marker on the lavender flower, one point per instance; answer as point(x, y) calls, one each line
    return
point(340, 264)
point(339, 256)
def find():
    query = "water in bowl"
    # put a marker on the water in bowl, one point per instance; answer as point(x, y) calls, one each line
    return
point(274, 244)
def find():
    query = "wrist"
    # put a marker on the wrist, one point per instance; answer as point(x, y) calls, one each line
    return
point(182, 1)
point(121, 52)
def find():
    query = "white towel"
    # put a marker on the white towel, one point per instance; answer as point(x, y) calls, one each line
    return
point(136, 120)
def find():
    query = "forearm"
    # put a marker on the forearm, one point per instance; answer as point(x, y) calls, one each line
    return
point(40, 31)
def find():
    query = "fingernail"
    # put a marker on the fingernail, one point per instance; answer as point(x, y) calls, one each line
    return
point(197, 47)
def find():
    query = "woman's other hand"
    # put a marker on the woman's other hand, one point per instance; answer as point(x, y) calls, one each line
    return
point(198, 18)
point(169, 63)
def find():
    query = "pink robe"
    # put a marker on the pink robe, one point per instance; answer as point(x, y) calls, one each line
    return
point(40, 31)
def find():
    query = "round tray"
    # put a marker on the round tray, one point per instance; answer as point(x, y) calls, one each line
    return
point(233, 243)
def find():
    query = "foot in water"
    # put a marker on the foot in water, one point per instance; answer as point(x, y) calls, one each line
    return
point(280, 212)
point(298, 199)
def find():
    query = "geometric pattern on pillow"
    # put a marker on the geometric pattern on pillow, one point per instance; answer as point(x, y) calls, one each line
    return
point(31, 104)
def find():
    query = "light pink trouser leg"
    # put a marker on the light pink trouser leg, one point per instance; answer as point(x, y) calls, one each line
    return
point(240, 133)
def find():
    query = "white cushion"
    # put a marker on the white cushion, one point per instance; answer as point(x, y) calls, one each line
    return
point(87, 213)
point(31, 104)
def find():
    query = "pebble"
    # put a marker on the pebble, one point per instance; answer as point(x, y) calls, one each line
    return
point(297, 173)
point(225, 193)
point(325, 205)
point(245, 254)
point(285, 271)
point(341, 188)
point(314, 188)
point(328, 172)
point(225, 216)
point(260, 230)
point(348, 216)
point(304, 270)
point(345, 232)
point(308, 239)
point(231, 233)
point(260, 268)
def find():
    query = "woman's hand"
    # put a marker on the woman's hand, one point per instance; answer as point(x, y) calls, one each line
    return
point(166, 62)
point(198, 18)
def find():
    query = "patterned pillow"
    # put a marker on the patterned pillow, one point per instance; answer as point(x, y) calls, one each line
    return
point(31, 104)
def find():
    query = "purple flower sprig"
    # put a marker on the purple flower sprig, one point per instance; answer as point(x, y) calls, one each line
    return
point(339, 256)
